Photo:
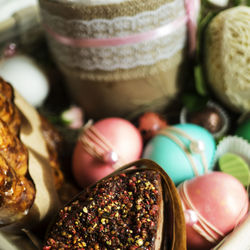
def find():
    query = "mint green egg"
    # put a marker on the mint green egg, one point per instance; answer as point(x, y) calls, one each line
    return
point(173, 159)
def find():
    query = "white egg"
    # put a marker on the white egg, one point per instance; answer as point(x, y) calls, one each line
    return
point(24, 74)
point(219, 3)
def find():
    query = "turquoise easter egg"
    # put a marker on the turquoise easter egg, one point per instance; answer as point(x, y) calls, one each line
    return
point(183, 151)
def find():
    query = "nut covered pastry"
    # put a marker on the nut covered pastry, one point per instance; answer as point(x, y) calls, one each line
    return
point(130, 209)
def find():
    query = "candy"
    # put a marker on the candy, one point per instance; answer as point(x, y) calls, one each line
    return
point(232, 156)
point(212, 117)
point(234, 165)
point(207, 118)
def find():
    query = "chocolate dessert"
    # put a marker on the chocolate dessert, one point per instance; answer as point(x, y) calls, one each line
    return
point(122, 212)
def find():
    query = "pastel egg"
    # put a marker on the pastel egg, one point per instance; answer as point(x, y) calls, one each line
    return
point(27, 77)
point(105, 146)
point(183, 151)
point(219, 201)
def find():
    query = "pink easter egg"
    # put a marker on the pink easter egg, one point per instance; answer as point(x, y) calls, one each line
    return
point(220, 202)
point(124, 139)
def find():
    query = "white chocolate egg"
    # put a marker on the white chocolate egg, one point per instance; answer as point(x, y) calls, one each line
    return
point(26, 77)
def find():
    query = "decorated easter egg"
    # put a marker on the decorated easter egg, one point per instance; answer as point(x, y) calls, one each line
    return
point(183, 151)
point(150, 123)
point(27, 77)
point(103, 147)
point(219, 202)
point(219, 3)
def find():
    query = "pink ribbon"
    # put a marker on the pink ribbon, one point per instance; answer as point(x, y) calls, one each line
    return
point(192, 9)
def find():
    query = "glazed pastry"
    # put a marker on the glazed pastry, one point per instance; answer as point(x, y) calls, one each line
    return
point(9, 112)
point(17, 194)
point(26, 183)
point(126, 210)
point(16, 191)
point(13, 150)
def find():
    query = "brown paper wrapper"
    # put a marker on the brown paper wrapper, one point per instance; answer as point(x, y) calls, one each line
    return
point(46, 201)
point(114, 91)
point(10, 241)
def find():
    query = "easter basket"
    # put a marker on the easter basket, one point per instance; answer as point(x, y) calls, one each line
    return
point(118, 56)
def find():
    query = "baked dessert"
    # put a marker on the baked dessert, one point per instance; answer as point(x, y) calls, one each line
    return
point(16, 191)
point(8, 111)
point(130, 209)
point(19, 189)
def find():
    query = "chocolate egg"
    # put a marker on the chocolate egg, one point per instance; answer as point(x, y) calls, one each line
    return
point(150, 123)
point(208, 118)
point(103, 147)
point(26, 76)
point(131, 209)
point(183, 150)
point(212, 117)
point(219, 201)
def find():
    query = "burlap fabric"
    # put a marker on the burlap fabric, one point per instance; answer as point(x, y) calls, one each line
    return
point(115, 81)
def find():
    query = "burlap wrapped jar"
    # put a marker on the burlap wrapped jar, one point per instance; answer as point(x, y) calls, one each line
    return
point(118, 77)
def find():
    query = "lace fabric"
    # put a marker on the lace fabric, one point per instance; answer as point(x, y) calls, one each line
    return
point(118, 57)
